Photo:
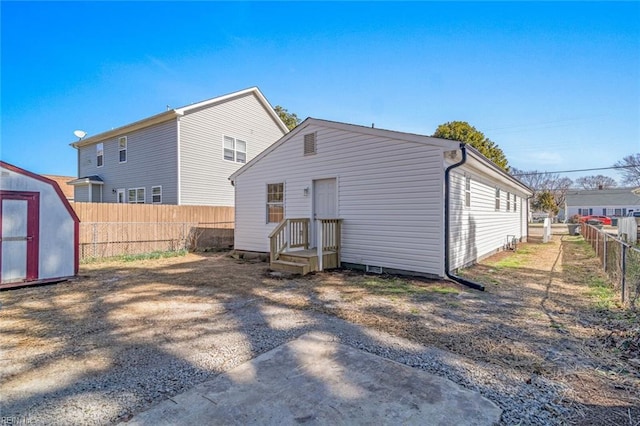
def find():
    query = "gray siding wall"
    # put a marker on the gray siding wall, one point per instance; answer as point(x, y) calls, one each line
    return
point(204, 174)
point(81, 193)
point(151, 161)
point(389, 196)
point(480, 229)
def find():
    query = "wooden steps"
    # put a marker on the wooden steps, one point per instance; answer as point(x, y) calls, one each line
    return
point(303, 261)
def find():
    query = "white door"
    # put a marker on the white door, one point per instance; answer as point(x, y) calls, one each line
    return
point(325, 200)
point(14, 240)
point(121, 197)
point(325, 203)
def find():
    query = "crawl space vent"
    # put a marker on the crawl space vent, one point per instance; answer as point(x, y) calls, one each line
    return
point(374, 269)
point(310, 144)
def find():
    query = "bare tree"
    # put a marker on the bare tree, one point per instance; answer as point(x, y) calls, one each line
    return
point(596, 182)
point(630, 169)
point(542, 182)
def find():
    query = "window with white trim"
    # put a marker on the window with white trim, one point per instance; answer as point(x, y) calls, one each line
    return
point(508, 201)
point(156, 194)
point(122, 149)
point(275, 202)
point(497, 199)
point(136, 195)
point(100, 154)
point(515, 202)
point(235, 150)
point(467, 191)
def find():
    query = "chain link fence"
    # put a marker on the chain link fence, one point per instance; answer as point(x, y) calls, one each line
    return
point(110, 239)
point(620, 260)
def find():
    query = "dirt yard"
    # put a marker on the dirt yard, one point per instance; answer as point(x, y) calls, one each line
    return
point(545, 341)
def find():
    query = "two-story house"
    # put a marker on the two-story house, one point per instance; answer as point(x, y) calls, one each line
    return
point(182, 156)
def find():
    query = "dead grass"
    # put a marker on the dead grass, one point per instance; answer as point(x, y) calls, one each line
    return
point(546, 311)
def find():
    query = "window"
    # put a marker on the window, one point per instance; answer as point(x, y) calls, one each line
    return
point(122, 149)
point(310, 144)
point(275, 202)
point(156, 194)
point(99, 154)
point(136, 195)
point(235, 150)
point(467, 192)
point(497, 199)
point(508, 201)
point(515, 202)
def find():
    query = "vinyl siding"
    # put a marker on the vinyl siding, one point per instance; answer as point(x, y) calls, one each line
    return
point(204, 173)
point(479, 230)
point(389, 196)
point(81, 193)
point(151, 161)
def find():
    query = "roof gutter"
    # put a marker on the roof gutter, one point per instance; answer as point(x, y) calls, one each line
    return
point(447, 226)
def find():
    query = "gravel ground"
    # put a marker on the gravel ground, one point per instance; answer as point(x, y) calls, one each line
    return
point(125, 336)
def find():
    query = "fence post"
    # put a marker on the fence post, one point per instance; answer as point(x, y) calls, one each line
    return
point(623, 283)
point(604, 253)
point(320, 243)
point(95, 240)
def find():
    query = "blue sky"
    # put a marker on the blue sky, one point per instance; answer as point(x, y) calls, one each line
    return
point(555, 85)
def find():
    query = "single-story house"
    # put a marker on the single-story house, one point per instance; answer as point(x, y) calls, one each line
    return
point(375, 199)
point(39, 229)
point(614, 202)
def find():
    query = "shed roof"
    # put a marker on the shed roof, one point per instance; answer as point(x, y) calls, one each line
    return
point(46, 180)
point(177, 112)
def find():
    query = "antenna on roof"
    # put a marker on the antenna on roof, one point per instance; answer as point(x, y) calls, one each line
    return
point(168, 107)
point(373, 125)
point(80, 134)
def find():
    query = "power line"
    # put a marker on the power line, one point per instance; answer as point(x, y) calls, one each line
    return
point(576, 170)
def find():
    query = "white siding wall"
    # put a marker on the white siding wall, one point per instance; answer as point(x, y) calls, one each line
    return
point(204, 172)
point(480, 229)
point(56, 249)
point(389, 196)
point(151, 161)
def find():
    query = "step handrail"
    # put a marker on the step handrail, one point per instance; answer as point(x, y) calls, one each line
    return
point(290, 233)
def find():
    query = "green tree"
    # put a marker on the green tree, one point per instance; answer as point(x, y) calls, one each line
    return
point(545, 202)
point(464, 132)
point(544, 181)
point(288, 118)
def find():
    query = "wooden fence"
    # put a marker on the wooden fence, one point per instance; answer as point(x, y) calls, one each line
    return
point(149, 213)
point(108, 230)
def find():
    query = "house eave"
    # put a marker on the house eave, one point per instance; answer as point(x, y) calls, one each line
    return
point(141, 124)
point(89, 180)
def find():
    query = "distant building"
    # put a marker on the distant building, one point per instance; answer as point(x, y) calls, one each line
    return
point(181, 156)
point(63, 183)
point(606, 202)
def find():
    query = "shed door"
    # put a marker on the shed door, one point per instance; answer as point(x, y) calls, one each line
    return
point(19, 229)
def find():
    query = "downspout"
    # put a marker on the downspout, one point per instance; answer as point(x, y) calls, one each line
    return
point(447, 230)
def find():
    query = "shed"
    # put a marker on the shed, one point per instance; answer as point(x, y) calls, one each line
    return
point(379, 200)
point(38, 229)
